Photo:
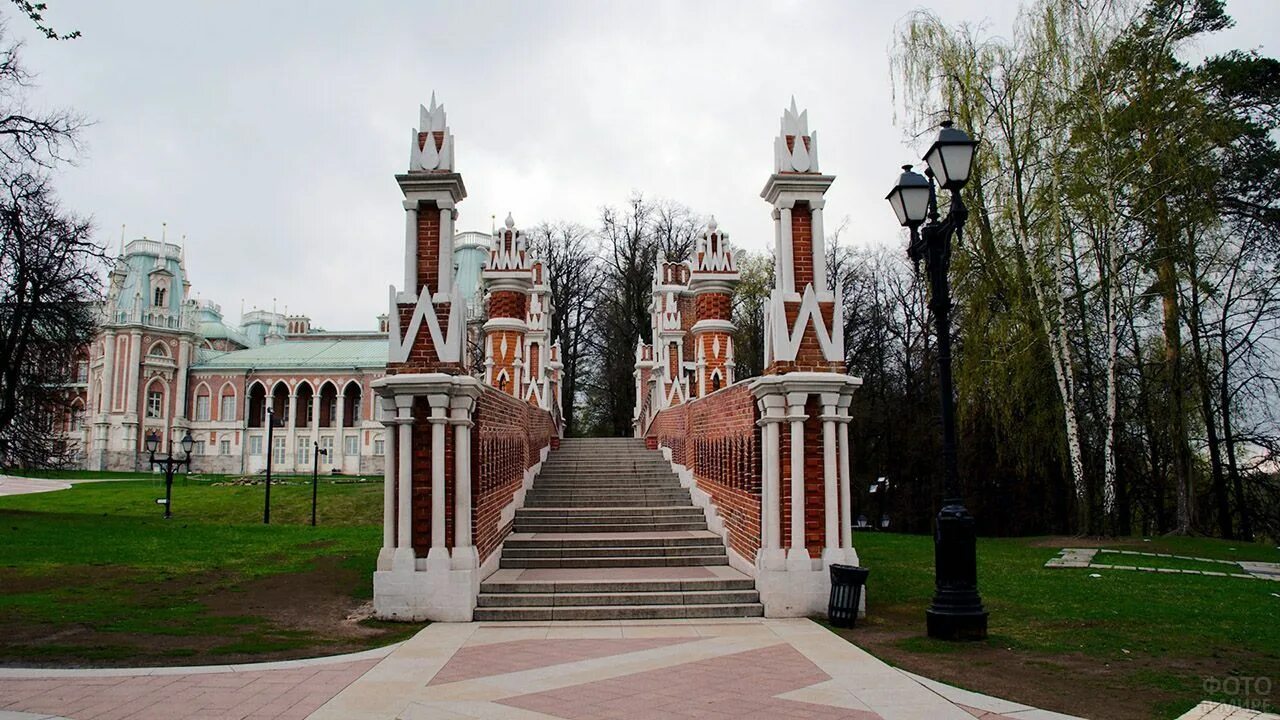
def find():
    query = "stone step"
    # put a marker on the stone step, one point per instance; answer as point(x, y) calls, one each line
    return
point(643, 585)
point(609, 475)
point(619, 612)
point(607, 485)
point(636, 539)
point(615, 561)
point(614, 551)
point(701, 597)
point(548, 502)
point(581, 512)
point(528, 526)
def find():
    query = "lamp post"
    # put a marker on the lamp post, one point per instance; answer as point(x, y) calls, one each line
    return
point(169, 464)
point(956, 612)
point(315, 475)
point(271, 451)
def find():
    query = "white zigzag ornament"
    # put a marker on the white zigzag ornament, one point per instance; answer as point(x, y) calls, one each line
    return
point(783, 345)
point(448, 345)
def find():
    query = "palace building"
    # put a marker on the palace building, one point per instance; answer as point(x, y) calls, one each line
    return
point(164, 363)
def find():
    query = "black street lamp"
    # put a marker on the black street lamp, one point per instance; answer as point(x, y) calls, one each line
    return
point(315, 475)
point(271, 425)
point(169, 464)
point(956, 612)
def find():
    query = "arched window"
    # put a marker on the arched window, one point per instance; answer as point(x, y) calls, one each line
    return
point(202, 403)
point(155, 400)
point(159, 297)
point(257, 405)
point(159, 350)
point(227, 403)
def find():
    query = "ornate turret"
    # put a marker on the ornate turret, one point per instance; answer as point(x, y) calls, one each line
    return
point(508, 277)
point(714, 276)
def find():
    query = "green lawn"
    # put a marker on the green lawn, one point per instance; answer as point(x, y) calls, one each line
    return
point(95, 575)
point(1153, 638)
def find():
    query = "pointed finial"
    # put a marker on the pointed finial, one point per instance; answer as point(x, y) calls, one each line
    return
point(121, 239)
point(510, 221)
point(493, 224)
point(433, 101)
point(164, 233)
point(711, 224)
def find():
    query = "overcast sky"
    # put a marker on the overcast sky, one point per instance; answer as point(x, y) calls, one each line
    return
point(268, 133)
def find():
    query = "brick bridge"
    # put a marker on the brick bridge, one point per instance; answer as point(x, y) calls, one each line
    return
point(732, 498)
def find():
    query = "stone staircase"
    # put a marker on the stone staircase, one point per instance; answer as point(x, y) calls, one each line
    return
point(607, 533)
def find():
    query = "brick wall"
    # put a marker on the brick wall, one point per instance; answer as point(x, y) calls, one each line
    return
point(713, 306)
point(422, 356)
point(507, 439)
point(809, 358)
point(428, 247)
point(716, 437)
point(802, 244)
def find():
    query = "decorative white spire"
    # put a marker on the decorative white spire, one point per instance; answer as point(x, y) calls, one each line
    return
point(426, 156)
point(802, 155)
point(714, 255)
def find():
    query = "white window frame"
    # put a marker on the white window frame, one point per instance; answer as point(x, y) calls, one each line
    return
point(351, 444)
point(228, 409)
point(155, 403)
point(202, 408)
point(224, 447)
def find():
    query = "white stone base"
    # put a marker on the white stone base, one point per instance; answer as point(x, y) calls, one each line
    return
point(440, 595)
point(792, 586)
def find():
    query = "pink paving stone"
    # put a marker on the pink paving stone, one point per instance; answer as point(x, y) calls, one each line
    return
point(519, 655)
point(274, 694)
point(742, 686)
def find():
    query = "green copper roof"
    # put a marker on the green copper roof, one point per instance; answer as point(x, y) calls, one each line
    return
point(299, 354)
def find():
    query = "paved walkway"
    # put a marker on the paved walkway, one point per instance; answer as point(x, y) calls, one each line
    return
point(262, 691)
point(10, 485)
point(748, 669)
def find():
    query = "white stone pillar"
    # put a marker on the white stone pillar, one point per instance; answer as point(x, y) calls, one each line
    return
point(184, 350)
point(846, 483)
point(830, 480)
point(798, 554)
point(819, 246)
point(291, 441)
point(108, 372)
point(786, 262)
point(772, 409)
point(135, 359)
point(465, 555)
point(411, 247)
point(446, 250)
point(404, 556)
point(340, 437)
point(438, 556)
point(777, 248)
point(315, 419)
point(388, 418)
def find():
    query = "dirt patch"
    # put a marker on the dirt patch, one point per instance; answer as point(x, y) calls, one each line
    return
point(278, 617)
point(316, 601)
point(16, 582)
point(1070, 683)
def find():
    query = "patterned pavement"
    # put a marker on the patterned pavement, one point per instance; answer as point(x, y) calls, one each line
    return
point(639, 670)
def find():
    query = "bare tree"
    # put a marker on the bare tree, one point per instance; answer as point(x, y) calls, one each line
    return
point(48, 273)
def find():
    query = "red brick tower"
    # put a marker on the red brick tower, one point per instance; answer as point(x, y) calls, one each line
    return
point(670, 288)
point(508, 278)
point(712, 282)
point(804, 394)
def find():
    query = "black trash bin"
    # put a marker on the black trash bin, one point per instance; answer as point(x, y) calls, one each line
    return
point(846, 592)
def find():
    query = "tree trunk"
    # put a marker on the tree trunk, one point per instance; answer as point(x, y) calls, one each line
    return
point(1206, 408)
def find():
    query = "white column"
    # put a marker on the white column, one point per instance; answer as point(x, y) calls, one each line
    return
point(291, 441)
point(446, 250)
point(404, 556)
point(786, 263)
point(819, 246)
point(135, 357)
point(777, 248)
point(438, 556)
point(340, 437)
point(315, 419)
point(772, 557)
point(830, 480)
point(798, 553)
point(464, 552)
point(184, 349)
point(411, 247)
point(388, 415)
point(846, 483)
point(108, 372)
